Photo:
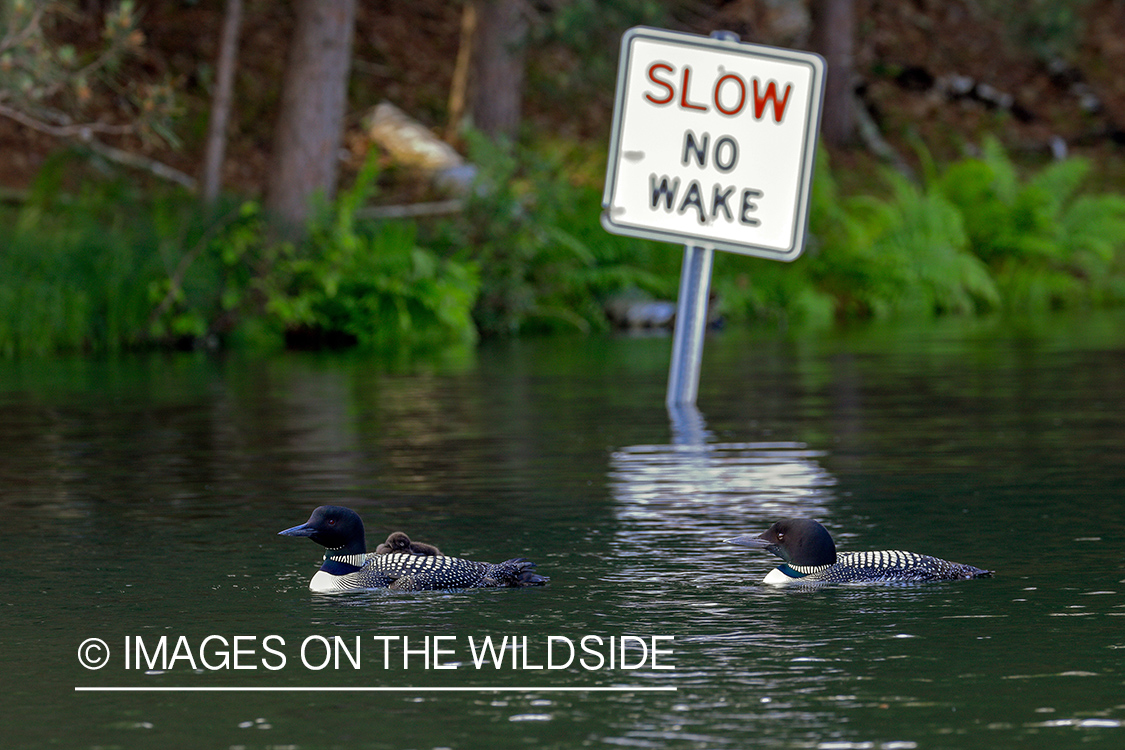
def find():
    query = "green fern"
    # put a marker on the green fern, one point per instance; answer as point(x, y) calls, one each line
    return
point(1047, 246)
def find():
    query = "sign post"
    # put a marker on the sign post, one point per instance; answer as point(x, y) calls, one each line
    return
point(713, 146)
point(691, 325)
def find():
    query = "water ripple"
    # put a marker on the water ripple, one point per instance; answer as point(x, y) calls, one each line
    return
point(698, 494)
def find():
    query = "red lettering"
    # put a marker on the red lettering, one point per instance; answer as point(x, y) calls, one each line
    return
point(771, 96)
point(661, 74)
point(741, 94)
point(652, 77)
point(683, 94)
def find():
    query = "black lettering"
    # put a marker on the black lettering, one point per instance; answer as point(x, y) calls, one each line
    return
point(732, 156)
point(748, 206)
point(719, 200)
point(700, 149)
point(693, 198)
point(662, 191)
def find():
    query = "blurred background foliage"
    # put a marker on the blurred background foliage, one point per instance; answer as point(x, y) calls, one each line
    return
point(99, 258)
point(112, 267)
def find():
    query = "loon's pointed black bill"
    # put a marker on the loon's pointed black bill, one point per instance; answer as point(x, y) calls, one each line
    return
point(749, 541)
point(302, 530)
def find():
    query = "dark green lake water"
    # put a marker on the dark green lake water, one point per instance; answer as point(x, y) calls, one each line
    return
point(141, 499)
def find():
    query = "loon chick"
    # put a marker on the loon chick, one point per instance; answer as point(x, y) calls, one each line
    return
point(400, 542)
point(348, 567)
point(810, 556)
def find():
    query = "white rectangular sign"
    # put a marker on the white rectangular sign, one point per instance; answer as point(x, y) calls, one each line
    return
point(713, 143)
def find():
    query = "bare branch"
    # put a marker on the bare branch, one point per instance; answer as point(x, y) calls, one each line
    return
point(411, 210)
point(82, 131)
point(129, 159)
point(36, 70)
point(11, 40)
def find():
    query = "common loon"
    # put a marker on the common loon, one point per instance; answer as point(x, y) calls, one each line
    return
point(810, 556)
point(400, 542)
point(348, 567)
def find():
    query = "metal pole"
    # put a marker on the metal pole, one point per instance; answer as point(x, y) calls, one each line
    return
point(691, 313)
point(691, 324)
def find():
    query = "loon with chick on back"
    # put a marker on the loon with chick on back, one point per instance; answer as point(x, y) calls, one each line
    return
point(810, 557)
point(348, 567)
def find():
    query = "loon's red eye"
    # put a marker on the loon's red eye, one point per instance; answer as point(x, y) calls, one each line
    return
point(780, 536)
point(332, 522)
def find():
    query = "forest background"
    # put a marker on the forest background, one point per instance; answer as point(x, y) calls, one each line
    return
point(209, 174)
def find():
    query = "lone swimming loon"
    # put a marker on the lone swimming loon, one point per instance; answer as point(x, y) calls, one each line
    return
point(810, 556)
point(348, 567)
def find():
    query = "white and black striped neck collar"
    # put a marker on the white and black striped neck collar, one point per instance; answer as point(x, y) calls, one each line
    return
point(356, 561)
point(803, 570)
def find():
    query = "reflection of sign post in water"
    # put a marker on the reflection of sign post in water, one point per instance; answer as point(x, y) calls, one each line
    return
point(713, 144)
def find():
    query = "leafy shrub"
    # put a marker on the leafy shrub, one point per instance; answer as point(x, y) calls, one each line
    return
point(368, 285)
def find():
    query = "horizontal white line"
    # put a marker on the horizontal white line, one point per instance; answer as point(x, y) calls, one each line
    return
point(247, 689)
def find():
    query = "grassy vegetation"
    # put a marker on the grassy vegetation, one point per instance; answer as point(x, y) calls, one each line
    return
point(76, 275)
point(112, 267)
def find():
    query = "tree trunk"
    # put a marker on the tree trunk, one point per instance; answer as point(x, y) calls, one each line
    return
point(220, 103)
point(495, 32)
point(833, 32)
point(313, 100)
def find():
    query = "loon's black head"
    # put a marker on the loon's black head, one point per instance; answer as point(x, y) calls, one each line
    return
point(797, 541)
point(332, 526)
